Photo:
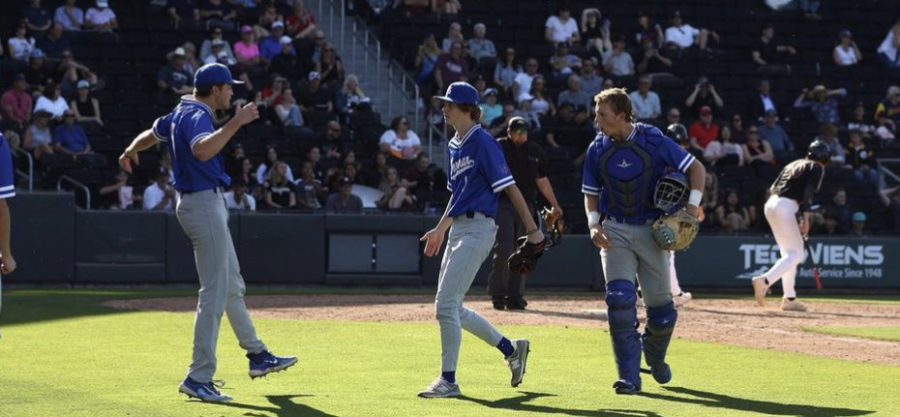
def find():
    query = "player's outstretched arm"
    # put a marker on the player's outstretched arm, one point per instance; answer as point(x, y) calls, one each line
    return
point(144, 140)
point(518, 202)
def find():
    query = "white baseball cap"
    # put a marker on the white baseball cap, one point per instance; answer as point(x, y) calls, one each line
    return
point(285, 40)
point(102, 3)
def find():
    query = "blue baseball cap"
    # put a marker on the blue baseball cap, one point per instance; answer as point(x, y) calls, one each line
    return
point(212, 74)
point(460, 92)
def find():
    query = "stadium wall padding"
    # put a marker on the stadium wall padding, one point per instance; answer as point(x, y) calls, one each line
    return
point(43, 237)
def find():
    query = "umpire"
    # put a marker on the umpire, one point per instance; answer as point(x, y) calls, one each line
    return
point(528, 164)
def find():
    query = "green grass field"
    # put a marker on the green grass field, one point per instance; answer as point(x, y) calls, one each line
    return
point(62, 354)
point(891, 333)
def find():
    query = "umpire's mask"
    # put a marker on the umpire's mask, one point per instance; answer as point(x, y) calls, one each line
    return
point(671, 192)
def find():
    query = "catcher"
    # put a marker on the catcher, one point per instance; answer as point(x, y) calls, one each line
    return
point(528, 164)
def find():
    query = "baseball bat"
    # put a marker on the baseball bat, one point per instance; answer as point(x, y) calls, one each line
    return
point(811, 261)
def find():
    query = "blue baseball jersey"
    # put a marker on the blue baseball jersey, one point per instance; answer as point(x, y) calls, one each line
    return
point(190, 122)
point(7, 186)
point(477, 172)
point(624, 174)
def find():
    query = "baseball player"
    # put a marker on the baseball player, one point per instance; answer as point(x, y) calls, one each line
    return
point(478, 171)
point(622, 166)
point(7, 190)
point(792, 192)
point(194, 145)
point(528, 164)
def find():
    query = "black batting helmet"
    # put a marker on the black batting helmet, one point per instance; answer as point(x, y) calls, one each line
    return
point(677, 132)
point(819, 151)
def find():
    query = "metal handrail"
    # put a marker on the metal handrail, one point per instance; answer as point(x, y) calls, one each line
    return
point(75, 183)
point(30, 175)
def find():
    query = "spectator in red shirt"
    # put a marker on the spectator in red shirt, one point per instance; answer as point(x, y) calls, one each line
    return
point(301, 24)
point(16, 103)
point(451, 67)
point(703, 131)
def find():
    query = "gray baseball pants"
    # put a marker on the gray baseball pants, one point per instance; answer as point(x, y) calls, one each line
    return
point(468, 245)
point(633, 255)
point(204, 218)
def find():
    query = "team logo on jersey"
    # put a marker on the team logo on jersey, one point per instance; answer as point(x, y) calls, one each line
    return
point(461, 165)
point(624, 164)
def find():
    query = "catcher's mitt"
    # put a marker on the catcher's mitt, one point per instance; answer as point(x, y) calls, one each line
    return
point(555, 225)
point(675, 231)
point(524, 260)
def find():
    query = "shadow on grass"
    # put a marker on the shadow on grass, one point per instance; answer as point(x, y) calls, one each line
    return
point(519, 403)
point(33, 306)
point(709, 399)
point(282, 406)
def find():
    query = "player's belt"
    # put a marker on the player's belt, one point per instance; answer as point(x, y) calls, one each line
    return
point(633, 222)
point(473, 215)
point(216, 190)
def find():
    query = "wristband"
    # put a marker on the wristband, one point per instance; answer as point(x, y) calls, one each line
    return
point(695, 198)
point(593, 218)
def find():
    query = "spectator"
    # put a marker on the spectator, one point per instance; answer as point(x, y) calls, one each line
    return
point(286, 62)
point(563, 63)
point(618, 63)
point(703, 131)
point(704, 95)
point(274, 93)
point(54, 43)
point(540, 105)
point(309, 189)
point(479, 47)
point(312, 53)
point(887, 113)
point(449, 7)
point(399, 141)
point(772, 133)
point(159, 196)
point(828, 133)
point(889, 49)
point(344, 201)
point(100, 18)
point(69, 16)
point(731, 215)
point(766, 53)
point(490, 109)
point(184, 13)
point(454, 34)
point(86, 107)
point(350, 95)
point(591, 83)
point(288, 111)
point(890, 198)
point(39, 70)
point(218, 13)
point(738, 133)
point(238, 199)
point(450, 67)
point(724, 152)
point(333, 145)
point(72, 71)
point(278, 188)
point(38, 138)
point(314, 98)
point(52, 102)
point(710, 196)
point(648, 32)
point(757, 152)
point(208, 51)
point(247, 51)
point(761, 102)
point(505, 73)
point(330, 68)
point(424, 180)
point(561, 27)
point(271, 45)
point(645, 102)
point(858, 121)
point(16, 102)
point(862, 159)
point(246, 175)
point(172, 79)
point(36, 17)
point(839, 210)
point(263, 171)
point(595, 31)
point(124, 194)
point(858, 226)
point(655, 64)
point(190, 57)
point(301, 23)
point(264, 22)
point(70, 139)
point(396, 195)
point(846, 53)
point(682, 35)
point(673, 116)
point(497, 128)
point(314, 156)
point(580, 101)
point(821, 103)
point(523, 80)
point(20, 46)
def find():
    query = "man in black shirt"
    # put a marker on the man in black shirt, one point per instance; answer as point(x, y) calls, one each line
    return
point(766, 51)
point(528, 165)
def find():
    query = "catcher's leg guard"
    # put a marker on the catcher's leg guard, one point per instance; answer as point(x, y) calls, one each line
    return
point(621, 297)
point(656, 337)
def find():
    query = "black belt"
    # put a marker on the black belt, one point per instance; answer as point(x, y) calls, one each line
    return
point(631, 221)
point(471, 214)
point(215, 190)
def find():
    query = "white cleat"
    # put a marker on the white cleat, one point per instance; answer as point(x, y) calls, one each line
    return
point(440, 388)
point(518, 360)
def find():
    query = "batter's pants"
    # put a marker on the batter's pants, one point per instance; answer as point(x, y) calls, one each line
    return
point(781, 213)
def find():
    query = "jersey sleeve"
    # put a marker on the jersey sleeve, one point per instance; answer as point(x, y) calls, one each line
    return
point(7, 185)
point(162, 127)
point(492, 163)
point(590, 183)
point(543, 168)
point(197, 127)
point(675, 156)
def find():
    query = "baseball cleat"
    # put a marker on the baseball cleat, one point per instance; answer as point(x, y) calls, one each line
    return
point(662, 373)
point(264, 363)
point(792, 305)
point(518, 360)
point(624, 387)
point(760, 288)
point(206, 392)
point(682, 299)
point(516, 303)
point(440, 388)
point(499, 303)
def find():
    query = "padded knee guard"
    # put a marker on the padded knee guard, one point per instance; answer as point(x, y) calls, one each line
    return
point(656, 337)
point(621, 297)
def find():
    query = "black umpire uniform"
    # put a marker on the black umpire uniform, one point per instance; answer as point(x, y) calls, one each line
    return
point(528, 162)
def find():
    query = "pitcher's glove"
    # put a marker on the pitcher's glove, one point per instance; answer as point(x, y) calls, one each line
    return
point(524, 260)
point(675, 231)
point(555, 225)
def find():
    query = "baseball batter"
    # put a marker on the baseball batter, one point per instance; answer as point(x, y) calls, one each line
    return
point(478, 171)
point(194, 146)
point(621, 169)
point(792, 192)
point(7, 190)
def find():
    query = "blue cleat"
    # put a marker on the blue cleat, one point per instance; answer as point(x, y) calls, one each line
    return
point(264, 363)
point(624, 387)
point(206, 392)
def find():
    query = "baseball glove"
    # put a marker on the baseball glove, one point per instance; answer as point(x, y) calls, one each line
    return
point(675, 231)
point(524, 260)
point(555, 225)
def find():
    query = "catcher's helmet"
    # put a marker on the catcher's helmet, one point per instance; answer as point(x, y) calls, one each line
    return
point(819, 151)
point(677, 132)
point(671, 192)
